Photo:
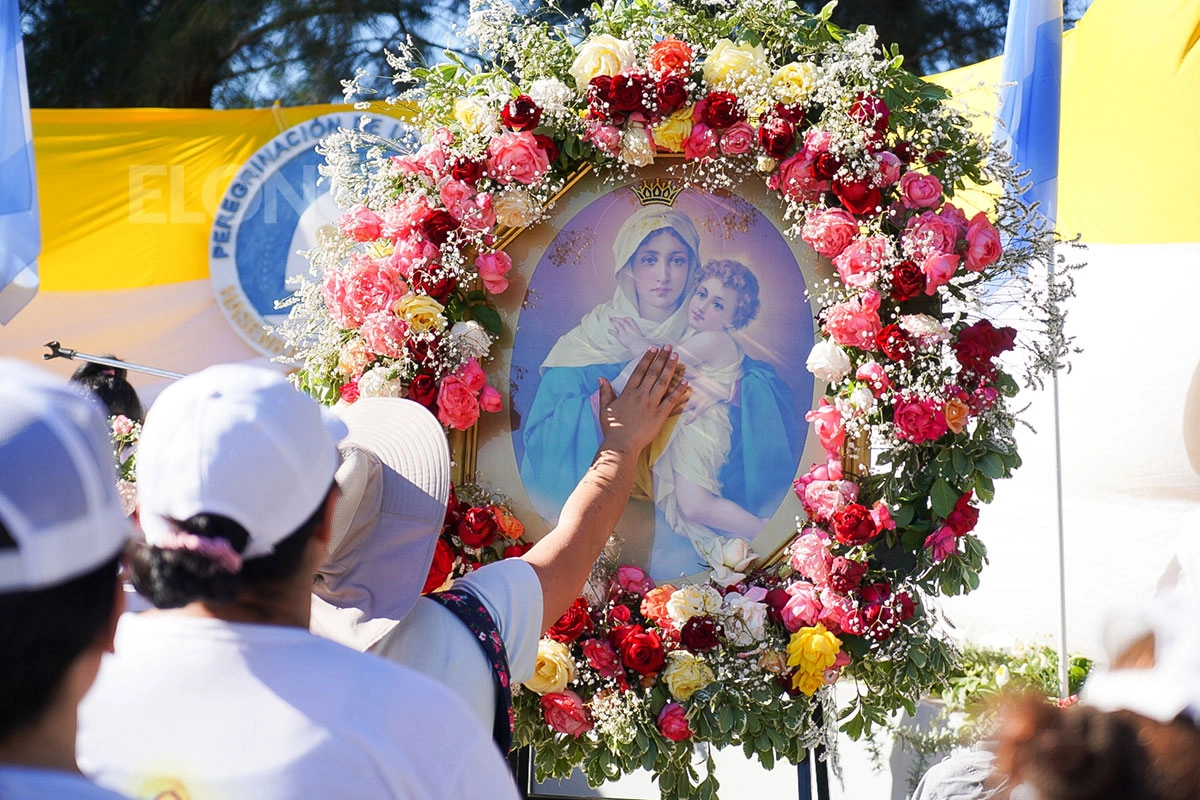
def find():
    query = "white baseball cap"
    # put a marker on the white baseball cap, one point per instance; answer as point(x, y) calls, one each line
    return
point(58, 496)
point(240, 442)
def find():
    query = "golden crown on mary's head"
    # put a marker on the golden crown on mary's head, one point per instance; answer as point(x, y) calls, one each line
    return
point(656, 191)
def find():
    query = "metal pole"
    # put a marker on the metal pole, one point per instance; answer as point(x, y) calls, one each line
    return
point(58, 351)
point(1064, 674)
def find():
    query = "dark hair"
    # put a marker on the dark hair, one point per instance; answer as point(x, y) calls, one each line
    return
point(1077, 753)
point(44, 632)
point(738, 277)
point(174, 578)
point(111, 388)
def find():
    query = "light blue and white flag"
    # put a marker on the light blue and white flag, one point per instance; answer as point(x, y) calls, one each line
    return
point(1029, 101)
point(20, 231)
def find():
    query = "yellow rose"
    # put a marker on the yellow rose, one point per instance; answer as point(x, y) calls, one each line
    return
point(672, 132)
point(812, 650)
point(601, 55)
point(514, 208)
point(686, 674)
point(421, 312)
point(475, 115)
point(794, 82)
point(730, 65)
point(554, 669)
point(956, 414)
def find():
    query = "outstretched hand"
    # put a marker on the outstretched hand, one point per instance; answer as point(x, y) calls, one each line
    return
point(655, 390)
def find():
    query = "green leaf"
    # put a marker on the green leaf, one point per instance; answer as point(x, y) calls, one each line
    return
point(962, 465)
point(992, 466)
point(985, 490)
point(488, 317)
point(943, 496)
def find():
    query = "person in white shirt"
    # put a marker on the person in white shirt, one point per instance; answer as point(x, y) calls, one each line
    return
point(395, 480)
point(221, 691)
point(62, 531)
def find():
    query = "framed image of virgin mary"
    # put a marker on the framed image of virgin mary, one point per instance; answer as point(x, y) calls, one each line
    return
point(620, 266)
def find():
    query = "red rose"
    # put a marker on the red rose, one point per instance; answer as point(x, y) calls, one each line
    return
point(454, 510)
point(422, 350)
point(700, 633)
point(423, 389)
point(547, 144)
point(777, 135)
point(574, 622)
point(793, 113)
point(517, 550)
point(845, 574)
point(436, 224)
point(963, 518)
point(349, 391)
point(905, 608)
point(627, 93)
point(671, 94)
point(521, 114)
point(721, 109)
point(478, 528)
point(908, 281)
point(620, 614)
point(978, 344)
point(776, 599)
point(870, 112)
point(893, 342)
point(466, 169)
point(565, 712)
point(439, 570)
point(875, 594)
point(858, 197)
point(853, 525)
point(641, 650)
point(825, 166)
point(905, 152)
point(433, 283)
point(599, 96)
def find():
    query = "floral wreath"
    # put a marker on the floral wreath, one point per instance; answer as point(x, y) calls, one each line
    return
point(866, 161)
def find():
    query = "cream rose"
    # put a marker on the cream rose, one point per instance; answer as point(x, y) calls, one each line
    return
point(514, 208)
point(672, 132)
point(686, 674)
point(730, 65)
point(476, 116)
point(554, 668)
point(470, 337)
point(828, 361)
point(601, 55)
point(794, 82)
point(690, 601)
point(421, 312)
point(353, 358)
point(637, 148)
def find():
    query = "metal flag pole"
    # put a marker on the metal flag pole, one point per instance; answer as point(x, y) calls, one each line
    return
point(58, 351)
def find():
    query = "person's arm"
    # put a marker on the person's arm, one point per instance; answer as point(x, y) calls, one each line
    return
point(563, 558)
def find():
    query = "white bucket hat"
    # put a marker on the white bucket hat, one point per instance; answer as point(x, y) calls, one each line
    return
point(58, 496)
point(241, 442)
point(395, 482)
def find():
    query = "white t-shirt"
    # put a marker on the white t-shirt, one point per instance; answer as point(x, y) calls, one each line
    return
point(433, 641)
point(29, 783)
point(231, 710)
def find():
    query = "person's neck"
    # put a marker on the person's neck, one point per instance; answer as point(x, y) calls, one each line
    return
point(656, 314)
point(283, 603)
point(46, 743)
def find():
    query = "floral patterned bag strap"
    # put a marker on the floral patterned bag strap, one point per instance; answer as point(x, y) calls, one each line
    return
point(471, 610)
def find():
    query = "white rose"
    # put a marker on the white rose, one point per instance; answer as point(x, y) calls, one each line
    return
point(828, 361)
point(551, 94)
point(636, 147)
point(691, 601)
point(470, 337)
point(745, 620)
point(376, 382)
point(476, 115)
point(925, 327)
point(601, 55)
point(859, 401)
point(514, 208)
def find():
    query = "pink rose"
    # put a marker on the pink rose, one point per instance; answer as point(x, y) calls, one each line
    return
point(606, 138)
point(411, 254)
point(859, 262)
point(823, 499)
point(516, 158)
point(817, 140)
point(383, 333)
point(829, 231)
point(360, 224)
point(457, 197)
point(122, 425)
point(943, 542)
point(457, 404)
point(633, 580)
point(479, 214)
point(927, 234)
point(855, 322)
point(472, 375)
point(955, 216)
point(882, 517)
point(492, 269)
point(489, 400)
point(811, 556)
point(803, 607)
point(402, 220)
point(890, 166)
point(938, 269)
point(701, 143)
point(565, 713)
point(873, 374)
point(920, 191)
point(983, 243)
point(827, 422)
point(795, 178)
point(836, 610)
point(603, 658)
point(365, 287)
point(673, 723)
point(920, 421)
point(737, 139)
